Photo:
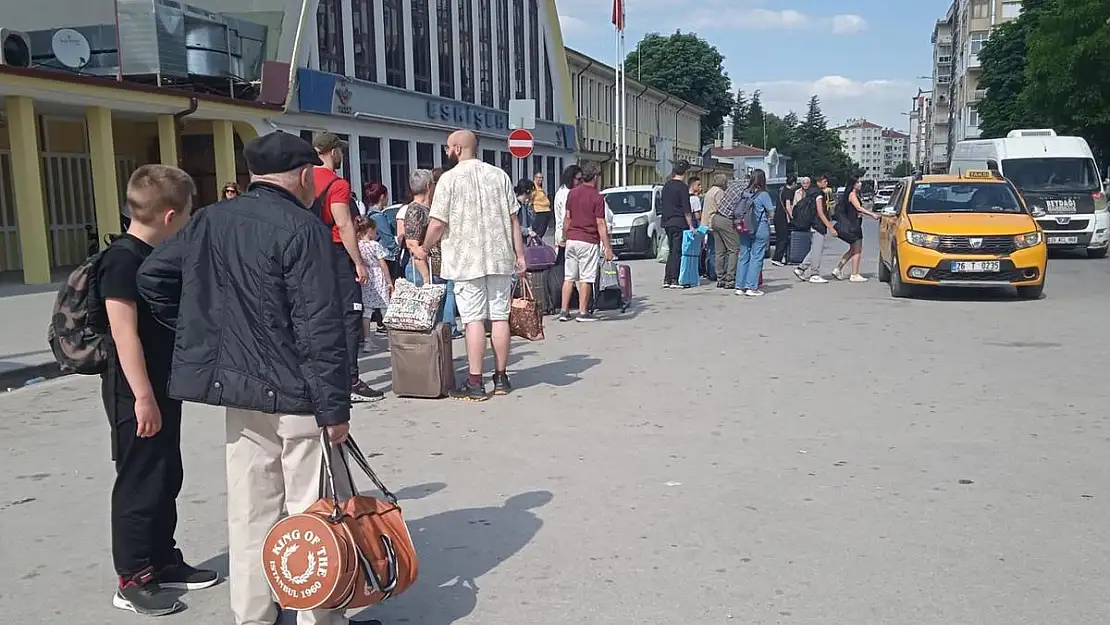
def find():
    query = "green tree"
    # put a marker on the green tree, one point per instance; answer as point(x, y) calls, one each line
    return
point(688, 67)
point(753, 133)
point(1067, 82)
point(739, 115)
point(1003, 61)
point(818, 149)
point(903, 169)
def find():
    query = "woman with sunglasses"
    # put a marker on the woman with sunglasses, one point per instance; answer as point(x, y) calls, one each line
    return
point(231, 191)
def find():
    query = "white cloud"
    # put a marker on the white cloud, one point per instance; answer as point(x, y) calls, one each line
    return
point(767, 19)
point(848, 24)
point(880, 101)
point(572, 26)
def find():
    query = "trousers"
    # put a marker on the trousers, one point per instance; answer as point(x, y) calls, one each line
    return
point(273, 469)
point(674, 258)
point(753, 250)
point(149, 475)
point(811, 264)
point(351, 291)
point(726, 244)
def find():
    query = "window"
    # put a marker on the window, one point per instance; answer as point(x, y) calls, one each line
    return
point(425, 156)
point(329, 29)
point(466, 49)
point(394, 43)
point(399, 169)
point(537, 164)
point(489, 156)
point(370, 157)
point(975, 41)
point(1053, 174)
point(1011, 9)
point(534, 50)
point(980, 9)
point(551, 180)
point(485, 52)
point(366, 65)
point(548, 89)
point(421, 48)
point(507, 163)
point(446, 48)
point(963, 197)
point(972, 117)
point(520, 88)
point(504, 89)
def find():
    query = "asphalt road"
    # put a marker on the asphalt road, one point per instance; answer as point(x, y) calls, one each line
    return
point(821, 455)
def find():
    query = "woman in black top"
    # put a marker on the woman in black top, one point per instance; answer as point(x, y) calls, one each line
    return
point(849, 228)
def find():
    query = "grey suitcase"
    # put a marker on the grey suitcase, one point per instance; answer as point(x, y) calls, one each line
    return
point(422, 362)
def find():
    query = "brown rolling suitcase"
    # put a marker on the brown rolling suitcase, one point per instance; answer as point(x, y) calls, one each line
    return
point(423, 363)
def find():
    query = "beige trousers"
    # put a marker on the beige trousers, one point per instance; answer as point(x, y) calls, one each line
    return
point(273, 469)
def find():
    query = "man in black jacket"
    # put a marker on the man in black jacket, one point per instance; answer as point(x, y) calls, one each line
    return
point(252, 290)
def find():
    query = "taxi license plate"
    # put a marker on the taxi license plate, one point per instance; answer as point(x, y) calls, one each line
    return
point(616, 241)
point(1063, 240)
point(977, 266)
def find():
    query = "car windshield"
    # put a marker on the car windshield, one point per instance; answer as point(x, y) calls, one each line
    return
point(628, 202)
point(1052, 174)
point(964, 197)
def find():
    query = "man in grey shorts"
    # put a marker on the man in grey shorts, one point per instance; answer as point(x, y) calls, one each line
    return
point(585, 232)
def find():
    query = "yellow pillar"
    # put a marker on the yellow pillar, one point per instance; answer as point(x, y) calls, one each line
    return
point(223, 142)
point(102, 154)
point(30, 208)
point(167, 140)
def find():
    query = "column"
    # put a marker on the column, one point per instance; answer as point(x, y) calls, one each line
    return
point(347, 17)
point(511, 34)
point(433, 30)
point(495, 59)
point(406, 30)
point(527, 61)
point(223, 145)
point(354, 159)
point(387, 170)
point(412, 158)
point(167, 140)
point(379, 40)
point(102, 154)
point(34, 247)
point(457, 57)
point(476, 49)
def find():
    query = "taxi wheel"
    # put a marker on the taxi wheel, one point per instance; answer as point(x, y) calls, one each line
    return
point(897, 287)
point(1031, 292)
point(884, 271)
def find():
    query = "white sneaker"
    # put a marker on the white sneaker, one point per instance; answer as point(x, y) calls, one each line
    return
point(799, 274)
point(818, 280)
point(753, 293)
point(778, 263)
point(857, 278)
point(836, 274)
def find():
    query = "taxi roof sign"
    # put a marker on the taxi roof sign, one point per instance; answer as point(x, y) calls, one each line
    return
point(980, 174)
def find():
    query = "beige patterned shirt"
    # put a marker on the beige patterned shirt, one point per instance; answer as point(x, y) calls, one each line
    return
point(476, 202)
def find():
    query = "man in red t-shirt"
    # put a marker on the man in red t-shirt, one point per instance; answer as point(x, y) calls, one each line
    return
point(585, 233)
point(334, 205)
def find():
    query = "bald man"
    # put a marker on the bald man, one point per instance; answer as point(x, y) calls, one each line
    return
point(473, 216)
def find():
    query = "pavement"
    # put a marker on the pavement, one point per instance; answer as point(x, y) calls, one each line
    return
point(825, 454)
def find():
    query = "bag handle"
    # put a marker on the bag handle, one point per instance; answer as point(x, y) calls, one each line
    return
point(526, 290)
point(327, 476)
point(364, 464)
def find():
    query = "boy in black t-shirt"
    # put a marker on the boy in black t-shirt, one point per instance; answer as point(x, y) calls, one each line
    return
point(145, 422)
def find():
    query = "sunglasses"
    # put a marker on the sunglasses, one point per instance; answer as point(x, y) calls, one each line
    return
point(231, 192)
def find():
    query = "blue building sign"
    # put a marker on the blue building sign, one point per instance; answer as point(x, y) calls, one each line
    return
point(466, 116)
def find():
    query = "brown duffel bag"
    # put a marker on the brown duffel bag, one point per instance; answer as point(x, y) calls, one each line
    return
point(340, 555)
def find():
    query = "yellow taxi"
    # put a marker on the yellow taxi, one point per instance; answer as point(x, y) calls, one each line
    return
point(967, 230)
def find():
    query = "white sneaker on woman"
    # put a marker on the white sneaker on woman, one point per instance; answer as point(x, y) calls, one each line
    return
point(753, 293)
point(857, 278)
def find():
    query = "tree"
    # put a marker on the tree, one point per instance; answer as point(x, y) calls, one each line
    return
point(685, 66)
point(739, 115)
point(903, 169)
point(1066, 78)
point(753, 133)
point(1003, 61)
point(818, 149)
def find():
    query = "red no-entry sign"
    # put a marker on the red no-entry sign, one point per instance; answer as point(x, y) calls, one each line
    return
point(521, 143)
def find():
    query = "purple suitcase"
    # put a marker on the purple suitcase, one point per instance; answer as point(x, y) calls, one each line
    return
point(624, 278)
point(538, 256)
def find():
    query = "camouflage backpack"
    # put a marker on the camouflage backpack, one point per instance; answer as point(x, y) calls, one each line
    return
point(78, 331)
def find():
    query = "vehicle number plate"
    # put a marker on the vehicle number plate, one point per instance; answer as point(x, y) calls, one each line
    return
point(1063, 240)
point(616, 241)
point(977, 266)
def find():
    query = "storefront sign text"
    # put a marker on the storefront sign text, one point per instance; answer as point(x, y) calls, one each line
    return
point(465, 116)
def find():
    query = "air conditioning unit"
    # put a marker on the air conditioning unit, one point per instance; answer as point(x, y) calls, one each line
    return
point(16, 48)
point(1040, 132)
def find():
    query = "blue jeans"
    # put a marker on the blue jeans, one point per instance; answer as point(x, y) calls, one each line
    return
point(448, 305)
point(710, 258)
point(753, 249)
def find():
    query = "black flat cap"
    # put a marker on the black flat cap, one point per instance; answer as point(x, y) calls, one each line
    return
point(279, 152)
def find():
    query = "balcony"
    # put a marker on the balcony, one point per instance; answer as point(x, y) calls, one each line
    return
point(978, 95)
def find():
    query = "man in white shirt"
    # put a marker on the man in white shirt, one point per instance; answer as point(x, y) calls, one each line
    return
point(473, 217)
point(572, 175)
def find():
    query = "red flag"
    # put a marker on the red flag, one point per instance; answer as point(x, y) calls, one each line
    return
point(618, 14)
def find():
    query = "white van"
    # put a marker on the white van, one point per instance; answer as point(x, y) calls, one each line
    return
point(635, 219)
point(1058, 178)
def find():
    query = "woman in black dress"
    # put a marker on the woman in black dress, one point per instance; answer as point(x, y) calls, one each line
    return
point(849, 228)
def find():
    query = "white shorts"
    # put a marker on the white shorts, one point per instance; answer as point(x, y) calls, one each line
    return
point(484, 298)
point(582, 262)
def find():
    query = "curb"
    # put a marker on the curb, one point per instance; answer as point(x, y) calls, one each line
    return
point(32, 374)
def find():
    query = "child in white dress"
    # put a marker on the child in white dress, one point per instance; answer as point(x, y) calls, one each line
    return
point(378, 289)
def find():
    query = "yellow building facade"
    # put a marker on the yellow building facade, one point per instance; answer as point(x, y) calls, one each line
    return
point(69, 143)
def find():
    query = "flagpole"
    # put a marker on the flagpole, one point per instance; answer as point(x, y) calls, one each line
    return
point(616, 105)
point(624, 109)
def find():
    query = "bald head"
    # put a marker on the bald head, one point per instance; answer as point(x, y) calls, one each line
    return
point(462, 145)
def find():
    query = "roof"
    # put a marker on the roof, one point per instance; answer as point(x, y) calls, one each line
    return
point(635, 86)
point(737, 151)
point(967, 176)
point(858, 123)
point(894, 134)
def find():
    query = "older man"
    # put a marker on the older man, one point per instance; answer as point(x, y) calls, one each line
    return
point(474, 215)
point(260, 327)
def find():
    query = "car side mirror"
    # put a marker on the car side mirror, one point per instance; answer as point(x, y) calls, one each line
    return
point(890, 210)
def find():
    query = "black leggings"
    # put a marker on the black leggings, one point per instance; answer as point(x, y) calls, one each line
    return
point(674, 256)
point(351, 292)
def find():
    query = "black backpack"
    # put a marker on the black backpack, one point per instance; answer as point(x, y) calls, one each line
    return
point(318, 207)
point(78, 332)
point(805, 213)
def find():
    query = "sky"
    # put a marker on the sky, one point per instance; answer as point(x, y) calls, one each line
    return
point(863, 58)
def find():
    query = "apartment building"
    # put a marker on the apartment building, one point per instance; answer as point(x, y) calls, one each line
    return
point(875, 149)
point(939, 114)
point(959, 37)
point(919, 120)
point(896, 150)
point(660, 128)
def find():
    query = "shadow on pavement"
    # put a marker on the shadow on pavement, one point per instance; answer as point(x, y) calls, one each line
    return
point(562, 372)
point(455, 549)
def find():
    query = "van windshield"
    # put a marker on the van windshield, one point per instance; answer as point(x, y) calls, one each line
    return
point(628, 202)
point(964, 197)
point(1052, 174)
